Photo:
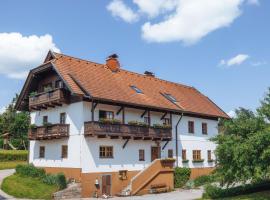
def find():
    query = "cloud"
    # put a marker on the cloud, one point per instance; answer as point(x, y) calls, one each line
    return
point(236, 60)
point(119, 9)
point(258, 63)
point(18, 53)
point(253, 2)
point(231, 114)
point(2, 110)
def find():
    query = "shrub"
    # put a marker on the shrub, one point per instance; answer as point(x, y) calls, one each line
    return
point(214, 192)
point(181, 176)
point(202, 180)
point(11, 155)
point(109, 121)
point(165, 126)
point(61, 181)
point(30, 170)
point(58, 179)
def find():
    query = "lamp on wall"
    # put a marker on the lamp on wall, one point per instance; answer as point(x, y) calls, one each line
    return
point(96, 183)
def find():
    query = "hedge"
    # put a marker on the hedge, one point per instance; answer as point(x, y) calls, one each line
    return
point(202, 180)
point(11, 155)
point(181, 176)
point(215, 192)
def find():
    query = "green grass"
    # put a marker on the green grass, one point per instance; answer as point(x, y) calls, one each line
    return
point(254, 196)
point(11, 164)
point(27, 187)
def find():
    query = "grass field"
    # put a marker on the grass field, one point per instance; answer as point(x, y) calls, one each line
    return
point(255, 196)
point(10, 164)
point(27, 187)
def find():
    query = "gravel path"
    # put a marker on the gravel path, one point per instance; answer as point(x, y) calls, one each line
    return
point(4, 174)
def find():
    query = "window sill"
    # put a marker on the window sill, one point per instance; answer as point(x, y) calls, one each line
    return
point(198, 161)
point(185, 161)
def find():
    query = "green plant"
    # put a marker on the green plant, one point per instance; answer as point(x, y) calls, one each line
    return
point(33, 94)
point(143, 124)
point(133, 123)
point(165, 126)
point(109, 121)
point(189, 184)
point(58, 179)
point(181, 176)
point(30, 170)
point(61, 181)
point(48, 89)
point(185, 161)
point(32, 126)
point(12, 155)
point(198, 161)
point(202, 180)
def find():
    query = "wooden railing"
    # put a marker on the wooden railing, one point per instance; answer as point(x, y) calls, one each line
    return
point(54, 97)
point(49, 132)
point(125, 130)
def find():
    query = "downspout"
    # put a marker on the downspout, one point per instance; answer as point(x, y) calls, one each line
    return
point(176, 139)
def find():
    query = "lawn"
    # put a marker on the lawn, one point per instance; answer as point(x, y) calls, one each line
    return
point(255, 196)
point(10, 164)
point(27, 187)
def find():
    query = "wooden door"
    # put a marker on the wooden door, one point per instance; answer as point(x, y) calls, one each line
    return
point(106, 185)
point(155, 153)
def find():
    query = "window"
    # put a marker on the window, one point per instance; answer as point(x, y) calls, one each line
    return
point(136, 89)
point(146, 120)
point(64, 151)
point(204, 128)
point(170, 97)
point(170, 153)
point(41, 152)
point(166, 121)
point(45, 119)
point(191, 127)
point(106, 114)
point(58, 84)
point(184, 154)
point(106, 152)
point(197, 155)
point(209, 155)
point(62, 118)
point(141, 155)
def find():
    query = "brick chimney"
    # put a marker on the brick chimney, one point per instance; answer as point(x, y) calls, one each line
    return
point(113, 63)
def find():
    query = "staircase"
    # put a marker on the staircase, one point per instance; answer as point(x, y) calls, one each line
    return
point(146, 176)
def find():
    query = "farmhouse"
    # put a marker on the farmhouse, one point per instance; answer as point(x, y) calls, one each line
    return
point(116, 131)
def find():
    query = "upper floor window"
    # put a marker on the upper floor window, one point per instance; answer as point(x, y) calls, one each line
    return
point(204, 128)
point(41, 152)
point(170, 97)
point(191, 126)
point(166, 121)
point(45, 119)
point(184, 154)
point(170, 153)
point(106, 152)
point(197, 155)
point(141, 155)
point(106, 114)
point(64, 151)
point(62, 118)
point(136, 89)
point(58, 84)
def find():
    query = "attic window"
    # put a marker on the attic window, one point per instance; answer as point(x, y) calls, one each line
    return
point(170, 97)
point(136, 89)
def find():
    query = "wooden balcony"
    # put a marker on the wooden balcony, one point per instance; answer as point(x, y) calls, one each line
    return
point(49, 132)
point(126, 131)
point(44, 100)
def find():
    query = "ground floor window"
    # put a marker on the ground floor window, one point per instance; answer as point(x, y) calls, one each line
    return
point(170, 153)
point(184, 154)
point(197, 155)
point(209, 155)
point(64, 151)
point(141, 155)
point(106, 152)
point(41, 152)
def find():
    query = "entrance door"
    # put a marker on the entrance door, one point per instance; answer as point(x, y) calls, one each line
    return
point(106, 185)
point(155, 153)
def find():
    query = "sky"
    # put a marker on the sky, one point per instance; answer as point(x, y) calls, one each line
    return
point(219, 47)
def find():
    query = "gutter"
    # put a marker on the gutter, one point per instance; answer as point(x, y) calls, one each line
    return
point(176, 139)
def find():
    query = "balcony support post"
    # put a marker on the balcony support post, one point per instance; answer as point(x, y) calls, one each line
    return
point(125, 144)
point(164, 146)
point(142, 115)
point(163, 116)
point(94, 105)
point(123, 115)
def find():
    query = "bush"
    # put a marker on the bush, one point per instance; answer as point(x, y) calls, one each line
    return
point(181, 176)
point(215, 192)
point(11, 155)
point(58, 179)
point(61, 181)
point(202, 180)
point(30, 170)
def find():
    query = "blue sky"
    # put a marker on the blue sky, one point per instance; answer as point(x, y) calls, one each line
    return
point(222, 50)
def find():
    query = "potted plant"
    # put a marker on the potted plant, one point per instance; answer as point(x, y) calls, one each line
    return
point(198, 161)
point(185, 161)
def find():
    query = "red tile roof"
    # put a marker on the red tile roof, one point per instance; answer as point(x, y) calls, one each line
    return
point(100, 82)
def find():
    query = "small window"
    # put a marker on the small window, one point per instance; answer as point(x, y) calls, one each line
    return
point(197, 155)
point(106, 114)
point(106, 152)
point(136, 89)
point(166, 121)
point(45, 119)
point(170, 153)
point(184, 154)
point(209, 155)
point(170, 97)
point(62, 118)
point(58, 84)
point(141, 155)
point(41, 152)
point(191, 127)
point(64, 151)
point(204, 128)
point(146, 120)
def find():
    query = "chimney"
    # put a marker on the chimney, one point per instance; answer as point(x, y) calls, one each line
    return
point(113, 63)
point(147, 73)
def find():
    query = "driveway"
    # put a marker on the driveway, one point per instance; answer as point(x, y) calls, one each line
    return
point(175, 195)
point(4, 174)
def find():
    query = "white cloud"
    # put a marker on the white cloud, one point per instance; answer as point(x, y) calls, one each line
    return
point(253, 2)
point(119, 9)
point(231, 114)
point(258, 63)
point(18, 53)
point(2, 110)
point(236, 60)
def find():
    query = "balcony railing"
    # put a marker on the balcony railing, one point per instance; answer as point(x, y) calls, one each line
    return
point(49, 132)
point(126, 131)
point(48, 99)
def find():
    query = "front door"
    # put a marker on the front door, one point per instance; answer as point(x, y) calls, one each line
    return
point(155, 153)
point(106, 185)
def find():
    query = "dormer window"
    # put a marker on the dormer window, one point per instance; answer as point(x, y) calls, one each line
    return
point(170, 97)
point(136, 89)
